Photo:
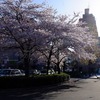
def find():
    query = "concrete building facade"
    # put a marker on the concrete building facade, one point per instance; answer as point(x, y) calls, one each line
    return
point(90, 21)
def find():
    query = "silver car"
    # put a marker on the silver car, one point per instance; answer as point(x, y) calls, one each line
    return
point(11, 72)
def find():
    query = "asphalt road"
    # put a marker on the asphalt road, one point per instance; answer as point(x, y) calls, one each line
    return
point(80, 89)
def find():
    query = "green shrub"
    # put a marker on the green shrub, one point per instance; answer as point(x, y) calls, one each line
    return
point(21, 81)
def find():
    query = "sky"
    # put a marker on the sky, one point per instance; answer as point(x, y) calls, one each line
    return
point(68, 7)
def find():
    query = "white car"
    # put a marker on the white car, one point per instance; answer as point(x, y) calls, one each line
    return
point(98, 75)
point(11, 72)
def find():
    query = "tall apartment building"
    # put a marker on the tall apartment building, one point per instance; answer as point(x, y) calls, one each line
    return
point(90, 21)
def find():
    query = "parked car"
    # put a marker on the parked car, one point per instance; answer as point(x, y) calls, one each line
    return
point(34, 72)
point(44, 71)
point(98, 75)
point(50, 71)
point(11, 72)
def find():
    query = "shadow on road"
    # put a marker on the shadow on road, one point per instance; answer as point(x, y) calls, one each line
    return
point(39, 93)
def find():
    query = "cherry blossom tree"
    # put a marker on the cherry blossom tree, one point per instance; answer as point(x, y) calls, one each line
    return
point(64, 34)
point(30, 27)
point(20, 26)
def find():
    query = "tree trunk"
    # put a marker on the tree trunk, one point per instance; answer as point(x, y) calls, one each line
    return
point(26, 65)
point(64, 65)
point(58, 68)
point(48, 65)
point(49, 59)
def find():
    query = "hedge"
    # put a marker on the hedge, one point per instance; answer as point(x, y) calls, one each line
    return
point(39, 80)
